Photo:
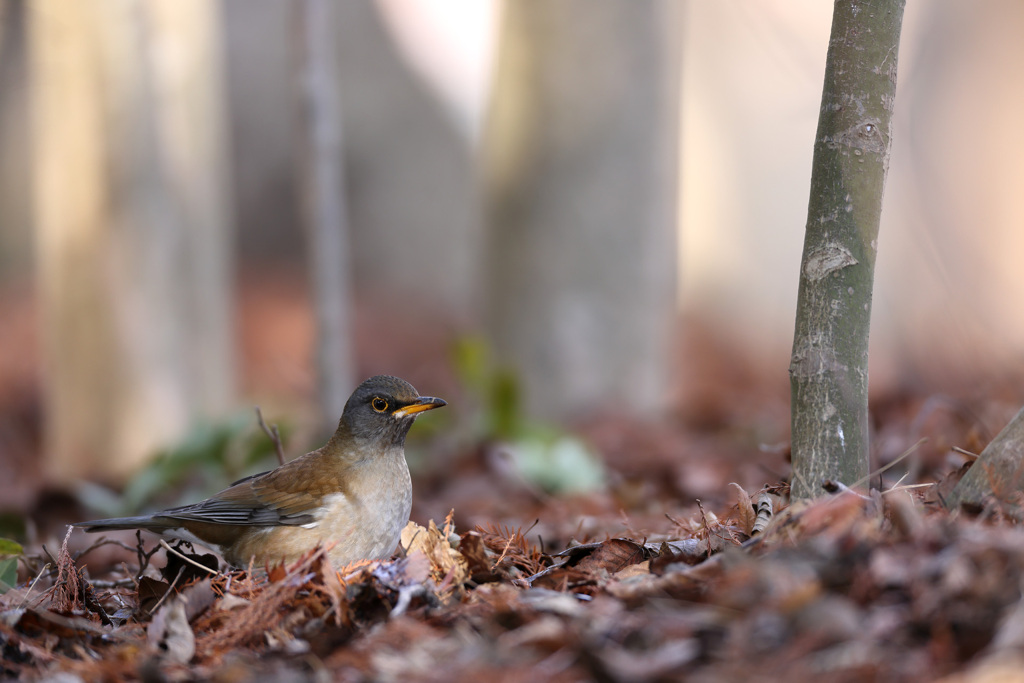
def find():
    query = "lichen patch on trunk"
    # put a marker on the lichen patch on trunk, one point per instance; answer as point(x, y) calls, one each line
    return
point(826, 260)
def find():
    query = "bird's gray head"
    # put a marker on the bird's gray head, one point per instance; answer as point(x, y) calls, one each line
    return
point(382, 409)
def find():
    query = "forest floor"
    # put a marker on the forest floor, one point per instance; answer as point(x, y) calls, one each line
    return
point(688, 562)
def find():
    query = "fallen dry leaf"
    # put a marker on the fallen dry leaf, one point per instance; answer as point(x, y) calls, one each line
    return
point(170, 634)
point(744, 510)
point(446, 563)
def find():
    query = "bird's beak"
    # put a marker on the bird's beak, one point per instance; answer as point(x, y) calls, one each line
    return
point(421, 404)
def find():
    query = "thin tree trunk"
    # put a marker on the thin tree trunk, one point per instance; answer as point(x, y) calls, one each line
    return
point(324, 210)
point(829, 365)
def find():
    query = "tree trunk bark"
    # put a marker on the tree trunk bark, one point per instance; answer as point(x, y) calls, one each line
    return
point(829, 366)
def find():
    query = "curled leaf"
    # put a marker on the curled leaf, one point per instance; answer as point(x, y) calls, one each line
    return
point(746, 514)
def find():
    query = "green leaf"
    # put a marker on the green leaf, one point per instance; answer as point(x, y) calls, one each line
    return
point(505, 418)
point(562, 464)
point(472, 362)
point(9, 547)
point(8, 573)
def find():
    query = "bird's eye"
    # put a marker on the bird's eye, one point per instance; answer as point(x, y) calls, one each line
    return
point(379, 404)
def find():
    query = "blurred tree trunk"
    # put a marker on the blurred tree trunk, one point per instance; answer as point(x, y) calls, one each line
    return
point(411, 204)
point(413, 201)
point(323, 191)
point(132, 227)
point(829, 365)
point(580, 155)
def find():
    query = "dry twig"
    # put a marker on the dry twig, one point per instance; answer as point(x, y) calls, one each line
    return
point(273, 434)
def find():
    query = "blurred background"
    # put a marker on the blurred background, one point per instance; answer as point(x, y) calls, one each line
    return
point(551, 213)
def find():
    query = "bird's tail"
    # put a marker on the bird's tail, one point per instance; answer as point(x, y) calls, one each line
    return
point(116, 523)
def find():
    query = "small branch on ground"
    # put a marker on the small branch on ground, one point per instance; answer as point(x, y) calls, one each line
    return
point(143, 555)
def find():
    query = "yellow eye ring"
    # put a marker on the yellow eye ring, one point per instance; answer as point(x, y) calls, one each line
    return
point(379, 404)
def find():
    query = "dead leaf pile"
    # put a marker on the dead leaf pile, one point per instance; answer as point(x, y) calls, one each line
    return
point(879, 587)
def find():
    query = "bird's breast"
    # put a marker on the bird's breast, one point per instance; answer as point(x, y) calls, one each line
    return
point(366, 521)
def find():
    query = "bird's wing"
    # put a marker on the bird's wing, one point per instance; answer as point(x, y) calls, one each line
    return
point(250, 477)
point(281, 497)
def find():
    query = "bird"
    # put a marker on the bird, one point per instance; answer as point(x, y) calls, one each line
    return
point(354, 492)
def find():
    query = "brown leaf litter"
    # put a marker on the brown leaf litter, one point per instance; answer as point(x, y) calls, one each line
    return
point(855, 586)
